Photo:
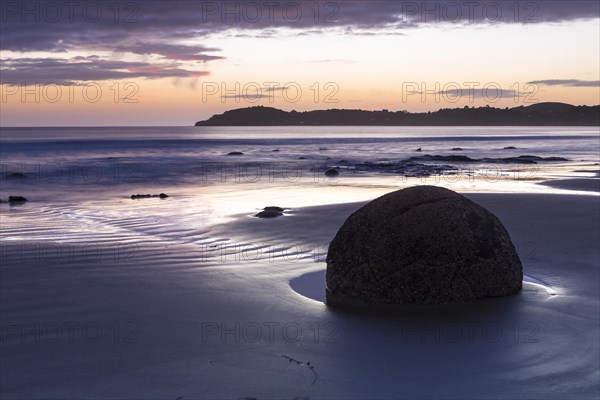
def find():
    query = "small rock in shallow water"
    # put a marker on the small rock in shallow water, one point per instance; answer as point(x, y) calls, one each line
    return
point(523, 159)
point(451, 158)
point(510, 148)
point(269, 214)
point(527, 159)
point(13, 176)
point(457, 149)
point(274, 208)
point(332, 172)
point(16, 199)
point(147, 196)
point(235, 153)
point(419, 149)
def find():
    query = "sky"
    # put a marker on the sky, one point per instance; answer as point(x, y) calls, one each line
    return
point(81, 63)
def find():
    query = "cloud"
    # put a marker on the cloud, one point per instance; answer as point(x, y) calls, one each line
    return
point(255, 95)
point(566, 82)
point(331, 60)
point(490, 94)
point(478, 93)
point(32, 26)
point(247, 97)
point(59, 71)
point(172, 51)
point(164, 29)
point(275, 88)
point(407, 14)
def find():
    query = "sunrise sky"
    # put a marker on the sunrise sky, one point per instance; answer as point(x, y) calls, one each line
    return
point(177, 62)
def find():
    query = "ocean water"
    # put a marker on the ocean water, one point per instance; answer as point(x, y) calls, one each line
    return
point(164, 296)
point(96, 170)
point(72, 173)
point(168, 156)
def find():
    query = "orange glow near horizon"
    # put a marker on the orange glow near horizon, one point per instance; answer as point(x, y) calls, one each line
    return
point(336, 70)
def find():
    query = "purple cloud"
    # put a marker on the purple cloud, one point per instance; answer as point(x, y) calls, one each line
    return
point(81, 69)
point(84, 25)
point(566, 82)
point(47, 25)
point(172, 51)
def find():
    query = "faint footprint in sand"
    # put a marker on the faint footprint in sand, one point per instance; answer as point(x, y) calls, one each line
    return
point(307, 365)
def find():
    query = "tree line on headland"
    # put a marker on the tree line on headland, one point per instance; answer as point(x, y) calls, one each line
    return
point(541, 114)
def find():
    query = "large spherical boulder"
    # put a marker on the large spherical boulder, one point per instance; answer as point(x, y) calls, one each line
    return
point(421, 245)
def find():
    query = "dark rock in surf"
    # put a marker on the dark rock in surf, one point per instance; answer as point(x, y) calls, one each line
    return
point(331, 172)
point(526, 159)
point(510, 148)
point(274, 208)
point(421, 245)
point(147, 196)
point(269, 214)
point(17, 199)
point(15, 176)
point(451, 158)
point(523, 160)
point(235, 153)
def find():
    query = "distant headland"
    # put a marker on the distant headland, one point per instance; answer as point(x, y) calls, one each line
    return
point(541, 114)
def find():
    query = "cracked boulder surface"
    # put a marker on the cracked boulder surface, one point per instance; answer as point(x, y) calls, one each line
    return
point(421, 245)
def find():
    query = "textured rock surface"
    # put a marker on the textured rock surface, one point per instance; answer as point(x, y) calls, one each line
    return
point(147, 196)
point(16, 199)
point(15, 176)
point(271, 212)
point(274, 208)
point(421, 245)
